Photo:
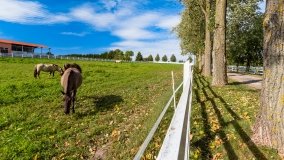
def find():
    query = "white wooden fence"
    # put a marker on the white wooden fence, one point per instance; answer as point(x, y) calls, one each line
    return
point(242, 69)
point(31, 55)
point(176, 142)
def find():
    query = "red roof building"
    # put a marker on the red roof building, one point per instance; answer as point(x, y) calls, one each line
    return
point(8, 46)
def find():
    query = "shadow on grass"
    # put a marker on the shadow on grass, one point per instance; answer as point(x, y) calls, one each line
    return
point(101, 104)
point(212, 97)
point(245, 82)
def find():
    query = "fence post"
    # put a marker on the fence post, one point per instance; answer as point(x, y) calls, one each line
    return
point(174, 93)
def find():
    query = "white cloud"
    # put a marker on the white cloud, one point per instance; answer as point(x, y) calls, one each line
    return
point(87, 14)
point(81, 34)
point(134, 33)
point(169, 22)
point(109, 4)
point(138, 28)
point(28, 12)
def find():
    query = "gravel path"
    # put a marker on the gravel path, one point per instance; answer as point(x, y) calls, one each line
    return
point(252, 81)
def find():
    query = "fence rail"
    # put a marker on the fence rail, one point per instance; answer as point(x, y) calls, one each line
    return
point(176, 142)
point(32, 55)
point(242, 69)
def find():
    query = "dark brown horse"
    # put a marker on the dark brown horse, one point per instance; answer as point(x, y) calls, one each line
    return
point(71, 80)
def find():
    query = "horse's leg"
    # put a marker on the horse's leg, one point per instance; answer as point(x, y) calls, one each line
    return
point(38, 74)
point(53, 73)
point(73, 98)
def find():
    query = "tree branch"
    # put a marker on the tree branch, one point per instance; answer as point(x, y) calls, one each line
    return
point(202, 7)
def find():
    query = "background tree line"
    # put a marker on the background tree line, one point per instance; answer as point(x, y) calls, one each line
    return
point(127, 56)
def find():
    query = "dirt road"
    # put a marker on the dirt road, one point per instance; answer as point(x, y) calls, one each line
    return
point(253, 81)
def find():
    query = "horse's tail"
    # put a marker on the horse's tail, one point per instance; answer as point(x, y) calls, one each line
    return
point(35, 72)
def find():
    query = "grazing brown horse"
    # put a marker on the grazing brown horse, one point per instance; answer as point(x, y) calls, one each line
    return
point(71, 80)
point(51, 68)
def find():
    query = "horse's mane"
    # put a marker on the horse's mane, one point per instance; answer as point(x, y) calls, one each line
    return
point(74, 65)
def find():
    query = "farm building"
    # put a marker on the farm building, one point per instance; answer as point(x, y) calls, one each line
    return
point(8, 46)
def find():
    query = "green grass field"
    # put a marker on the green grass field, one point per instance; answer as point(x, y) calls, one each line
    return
point(221, 122)
point(116, 106)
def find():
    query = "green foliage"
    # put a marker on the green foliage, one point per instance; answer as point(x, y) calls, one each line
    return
point(191, 30)
point(150, 58)
point(173, 58)
point(165, 58)
point(118, 54)
point(112, 54)
point(244, 33)
point(128, 55)
point(34, 126)
point(157, 58)
point(139, 57)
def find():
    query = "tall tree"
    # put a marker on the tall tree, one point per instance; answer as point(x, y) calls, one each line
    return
point(139, 57)
point(173, 58)
point(165, 58)
point(150, 57)
point(157, 58)
point(191, 30)
point(118, 54)
point(128, 55)
point(205, 6)
point(269, 126)
point(244, 33)
point(219, 45)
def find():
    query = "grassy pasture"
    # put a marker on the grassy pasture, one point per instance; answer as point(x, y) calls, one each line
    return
point(116, 106)
point(221, 122)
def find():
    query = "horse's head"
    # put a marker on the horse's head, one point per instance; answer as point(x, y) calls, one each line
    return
point(67, 102)
point(60, 70)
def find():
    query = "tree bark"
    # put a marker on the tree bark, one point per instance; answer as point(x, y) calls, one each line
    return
point(200, 61)
point(269, 126)
point(219, 45)
point(208, 43)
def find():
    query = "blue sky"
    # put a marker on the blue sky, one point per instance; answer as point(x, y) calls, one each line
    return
point(94, 26)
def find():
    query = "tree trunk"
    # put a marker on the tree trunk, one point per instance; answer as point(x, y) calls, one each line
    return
point(208, 43)
point(269, 126)
point(219, 47)
point(248, 65)
point(200, 62)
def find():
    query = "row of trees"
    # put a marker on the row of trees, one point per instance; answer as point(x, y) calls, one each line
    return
point(231, 31)
point(204, 31)
point(139, 57)
point(127, 56)
point(113, 54)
